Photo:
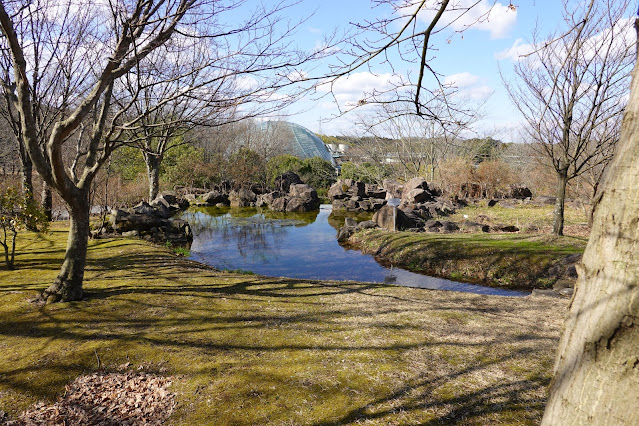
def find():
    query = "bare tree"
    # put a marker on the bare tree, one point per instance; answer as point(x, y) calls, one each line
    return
point(595, 379)
point(413, 145)
point(572, 92)
point(88, 50)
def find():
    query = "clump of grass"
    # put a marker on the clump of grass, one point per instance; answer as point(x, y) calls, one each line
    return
point(258, 350)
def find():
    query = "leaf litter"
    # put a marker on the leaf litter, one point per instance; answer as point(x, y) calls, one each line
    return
point(109, 399)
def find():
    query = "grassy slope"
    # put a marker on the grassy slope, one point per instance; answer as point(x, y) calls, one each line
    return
point(255, 350)
point(519, 260)
point(504, 260)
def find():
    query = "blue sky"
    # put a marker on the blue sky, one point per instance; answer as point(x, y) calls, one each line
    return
point(470, 60)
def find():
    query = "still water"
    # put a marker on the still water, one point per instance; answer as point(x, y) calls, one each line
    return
point(297, 245)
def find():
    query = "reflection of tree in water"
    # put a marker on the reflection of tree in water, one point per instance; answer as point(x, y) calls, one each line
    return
point(336, 218)
point(254, 232)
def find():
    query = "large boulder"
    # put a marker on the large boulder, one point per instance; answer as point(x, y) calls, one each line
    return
point(415, 196)
point(242, 198)
point(373, 191)
point(279, 204)
point(391, 218)
point(416, 183)
point(215, 197)
point(303, 198)
point(267, 199)
point(284, 181)
point(393, 188)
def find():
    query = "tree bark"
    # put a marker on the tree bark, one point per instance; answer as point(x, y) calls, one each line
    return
point(153, 173)
point(68, 284)
point(596, 379)
point(558, 214)
point(47, 201)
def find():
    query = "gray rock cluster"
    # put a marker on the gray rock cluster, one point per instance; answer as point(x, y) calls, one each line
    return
point(418, 205)
point(153, 220)
point(290, 195)
point(353, 196)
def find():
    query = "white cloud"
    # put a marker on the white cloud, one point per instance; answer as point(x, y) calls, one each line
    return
point(468, 86)
point(462, 79)
point(351, 89)
point(483, 15)
point(515, 52)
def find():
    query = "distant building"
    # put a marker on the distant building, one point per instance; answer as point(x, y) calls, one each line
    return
point(295, 140)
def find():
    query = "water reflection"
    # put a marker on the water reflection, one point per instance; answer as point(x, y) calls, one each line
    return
point(297, 245)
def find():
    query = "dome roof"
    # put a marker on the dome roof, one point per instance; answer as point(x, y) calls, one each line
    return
point(300, 141)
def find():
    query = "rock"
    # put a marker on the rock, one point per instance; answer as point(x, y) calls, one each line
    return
point(130, 234)
point(279, 204)
point(367, 224)
point(562, 283)
point(144, 208)
point(432, 224)
point(284, 181)
point(215, 197)
point(302, 191)
point(571, 271)
point(505, 228)
point(384, 218)
point(373, 191)
point(338, 191)
point(242, 198)
point(567, 292)
point(344, 233)
point(393, 188)
point(474, 226)
point(416, 183)
point(267, 199)
point(416, 195)
point(303, 198)
point(449, 226)
point(520, 192)
point(349, 221)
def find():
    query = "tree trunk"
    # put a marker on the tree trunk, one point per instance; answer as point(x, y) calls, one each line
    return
point(47, 201)
point(558, 214)
point(68, 284)
point(153, 173)
point(27, 177)
point(596, 379)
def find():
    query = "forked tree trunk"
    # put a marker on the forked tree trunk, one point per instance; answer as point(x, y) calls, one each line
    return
point(558, 214)
point(596, 379)
point(68, 284)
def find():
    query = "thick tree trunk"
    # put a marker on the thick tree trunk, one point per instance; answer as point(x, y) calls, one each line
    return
point(47, 201)
point(153, 173)
point(68, 284)
point(558, 214)
point(596, 378)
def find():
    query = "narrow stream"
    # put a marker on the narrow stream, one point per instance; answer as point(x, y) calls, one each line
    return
point(298, 245)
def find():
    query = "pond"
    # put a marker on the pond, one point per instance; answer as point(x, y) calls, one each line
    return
point(298, 245)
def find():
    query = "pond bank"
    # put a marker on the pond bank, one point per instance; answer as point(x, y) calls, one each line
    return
point(513, 261)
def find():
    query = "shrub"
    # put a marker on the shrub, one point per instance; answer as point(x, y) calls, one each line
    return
point(18, 212)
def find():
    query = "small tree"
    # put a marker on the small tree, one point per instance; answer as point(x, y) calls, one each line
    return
point(572, 92)
point(17, 212)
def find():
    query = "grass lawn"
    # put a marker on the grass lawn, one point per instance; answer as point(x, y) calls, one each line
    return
point(253, 350)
